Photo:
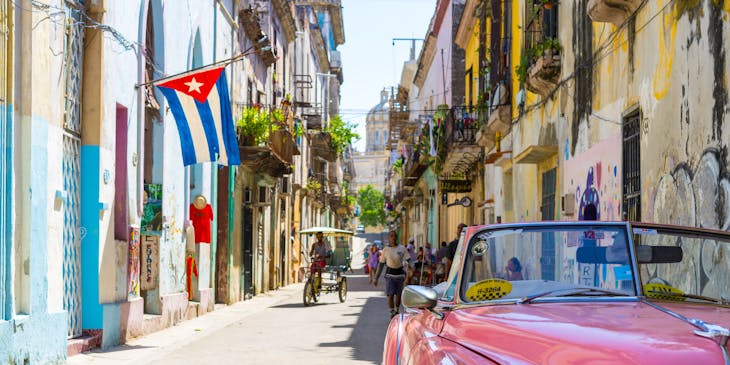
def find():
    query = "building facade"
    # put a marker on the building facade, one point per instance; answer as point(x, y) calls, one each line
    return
point(94, 161)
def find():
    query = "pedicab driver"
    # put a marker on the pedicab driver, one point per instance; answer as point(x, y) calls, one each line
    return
point(319, 253)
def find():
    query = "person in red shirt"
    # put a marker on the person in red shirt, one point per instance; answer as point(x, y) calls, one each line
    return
point(201, 214)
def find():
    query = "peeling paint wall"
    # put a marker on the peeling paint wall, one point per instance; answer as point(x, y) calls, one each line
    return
point(671, 62)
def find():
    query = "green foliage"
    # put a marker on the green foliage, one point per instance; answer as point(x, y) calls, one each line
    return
point(529, 55)
point(398, 166)
point(314, 185)
point(298, 129)
point(371, 204)
point(342, 133)
point(257, 124)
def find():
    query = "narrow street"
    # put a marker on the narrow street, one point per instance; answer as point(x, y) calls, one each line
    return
point(272, 328)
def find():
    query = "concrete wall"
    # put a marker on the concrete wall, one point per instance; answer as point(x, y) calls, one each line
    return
point(670, 64)
point(36, 329)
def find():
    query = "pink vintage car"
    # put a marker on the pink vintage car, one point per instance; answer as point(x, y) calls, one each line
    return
point(572, 293)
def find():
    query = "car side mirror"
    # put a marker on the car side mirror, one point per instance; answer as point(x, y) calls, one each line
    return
point(659, 254)
point(419, 297)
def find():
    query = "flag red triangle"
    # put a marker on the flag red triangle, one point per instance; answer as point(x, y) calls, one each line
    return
point(196, 84)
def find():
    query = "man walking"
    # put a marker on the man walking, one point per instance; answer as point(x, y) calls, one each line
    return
point(392, 257)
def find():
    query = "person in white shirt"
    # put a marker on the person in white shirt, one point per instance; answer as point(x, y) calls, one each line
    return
point(393, 257)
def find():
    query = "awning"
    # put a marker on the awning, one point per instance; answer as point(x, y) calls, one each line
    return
point(327, 231)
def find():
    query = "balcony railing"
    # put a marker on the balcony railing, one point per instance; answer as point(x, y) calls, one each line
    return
point(542, 48)
point(462, 126)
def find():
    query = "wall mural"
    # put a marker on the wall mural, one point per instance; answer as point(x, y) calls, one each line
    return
point(697, 195)
point(594, 176)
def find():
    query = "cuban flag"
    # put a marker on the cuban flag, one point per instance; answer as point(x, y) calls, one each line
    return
point(202, 109)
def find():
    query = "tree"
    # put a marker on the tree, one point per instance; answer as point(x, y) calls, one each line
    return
point(372, 203)
point(342, 133)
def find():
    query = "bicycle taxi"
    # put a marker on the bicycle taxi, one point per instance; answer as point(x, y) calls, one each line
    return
point(333, 279)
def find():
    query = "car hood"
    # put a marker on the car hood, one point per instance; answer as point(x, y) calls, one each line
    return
point(582, 333)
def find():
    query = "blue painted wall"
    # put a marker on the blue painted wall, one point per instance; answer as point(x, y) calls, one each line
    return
point(92, 315)
point(38, 338)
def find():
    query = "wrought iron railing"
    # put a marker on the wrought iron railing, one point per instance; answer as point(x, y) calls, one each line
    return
point(462, 125)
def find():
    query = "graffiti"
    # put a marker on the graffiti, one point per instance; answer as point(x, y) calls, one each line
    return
point(594, 176)
point(695, 197)
point(590, 194)
point(133, 264)
point(150, 261)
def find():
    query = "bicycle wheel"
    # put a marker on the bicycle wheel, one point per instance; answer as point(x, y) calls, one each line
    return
point(343, 289)
point(308, 295)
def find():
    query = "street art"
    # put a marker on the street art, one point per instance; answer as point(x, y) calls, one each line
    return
point(594, 176)
point(697, 195)
point(133, 264)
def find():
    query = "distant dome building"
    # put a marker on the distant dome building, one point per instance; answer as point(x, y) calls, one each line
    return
point(376, 124)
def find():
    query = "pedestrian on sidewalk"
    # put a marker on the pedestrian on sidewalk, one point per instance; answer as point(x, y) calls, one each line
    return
point(393, 257)
point(373, 260)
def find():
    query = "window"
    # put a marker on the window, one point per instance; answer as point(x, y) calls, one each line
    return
point(632, 167)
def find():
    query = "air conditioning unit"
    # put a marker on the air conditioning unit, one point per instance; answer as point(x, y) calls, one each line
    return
point(568, 203)
point(264, 195)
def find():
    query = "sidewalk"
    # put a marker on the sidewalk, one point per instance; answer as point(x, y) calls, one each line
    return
point(158, 344)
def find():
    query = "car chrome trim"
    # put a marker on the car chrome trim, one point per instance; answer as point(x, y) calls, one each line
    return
point(586, 299)
point(714, 332)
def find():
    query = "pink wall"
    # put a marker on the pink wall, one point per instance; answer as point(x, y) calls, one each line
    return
point(594, 176)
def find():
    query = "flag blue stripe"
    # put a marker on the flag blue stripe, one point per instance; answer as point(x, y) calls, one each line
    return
point(229, 132)
point(206, 118)
point(186, 139)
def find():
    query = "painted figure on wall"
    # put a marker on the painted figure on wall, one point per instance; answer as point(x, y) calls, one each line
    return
point(590, 197)
point(201, 214)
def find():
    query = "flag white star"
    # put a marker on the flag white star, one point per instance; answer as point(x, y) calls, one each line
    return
point(194, 85)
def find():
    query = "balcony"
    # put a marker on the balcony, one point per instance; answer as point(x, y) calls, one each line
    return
point(414, 168)
point(462, 151)
point(399, 123)
point(275, 155)
point(544, 74)
point(612, 11)
point(249, 21)
point(541, 55)
point(500, 118)
point(321, 145)
point(336, 64)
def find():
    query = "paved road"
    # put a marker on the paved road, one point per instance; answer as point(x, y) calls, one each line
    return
point(274, 328)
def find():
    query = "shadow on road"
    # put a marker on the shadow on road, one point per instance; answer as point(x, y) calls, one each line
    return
point(369, 331)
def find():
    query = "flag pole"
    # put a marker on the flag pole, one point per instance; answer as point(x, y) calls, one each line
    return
point(224, 62)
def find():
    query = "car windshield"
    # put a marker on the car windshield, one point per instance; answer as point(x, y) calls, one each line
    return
point(701, 272)
point(547, 261)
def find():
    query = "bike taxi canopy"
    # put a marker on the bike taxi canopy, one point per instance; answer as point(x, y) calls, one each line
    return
point(327, 231)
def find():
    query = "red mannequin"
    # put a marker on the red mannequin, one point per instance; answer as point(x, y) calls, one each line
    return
point(201, 214)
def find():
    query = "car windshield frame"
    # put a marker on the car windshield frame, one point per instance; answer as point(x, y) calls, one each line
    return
point(465, 252)
point(673, 281)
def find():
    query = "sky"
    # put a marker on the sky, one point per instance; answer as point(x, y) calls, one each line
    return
point(371, 60)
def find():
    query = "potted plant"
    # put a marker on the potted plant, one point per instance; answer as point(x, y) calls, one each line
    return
point(255, 125)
